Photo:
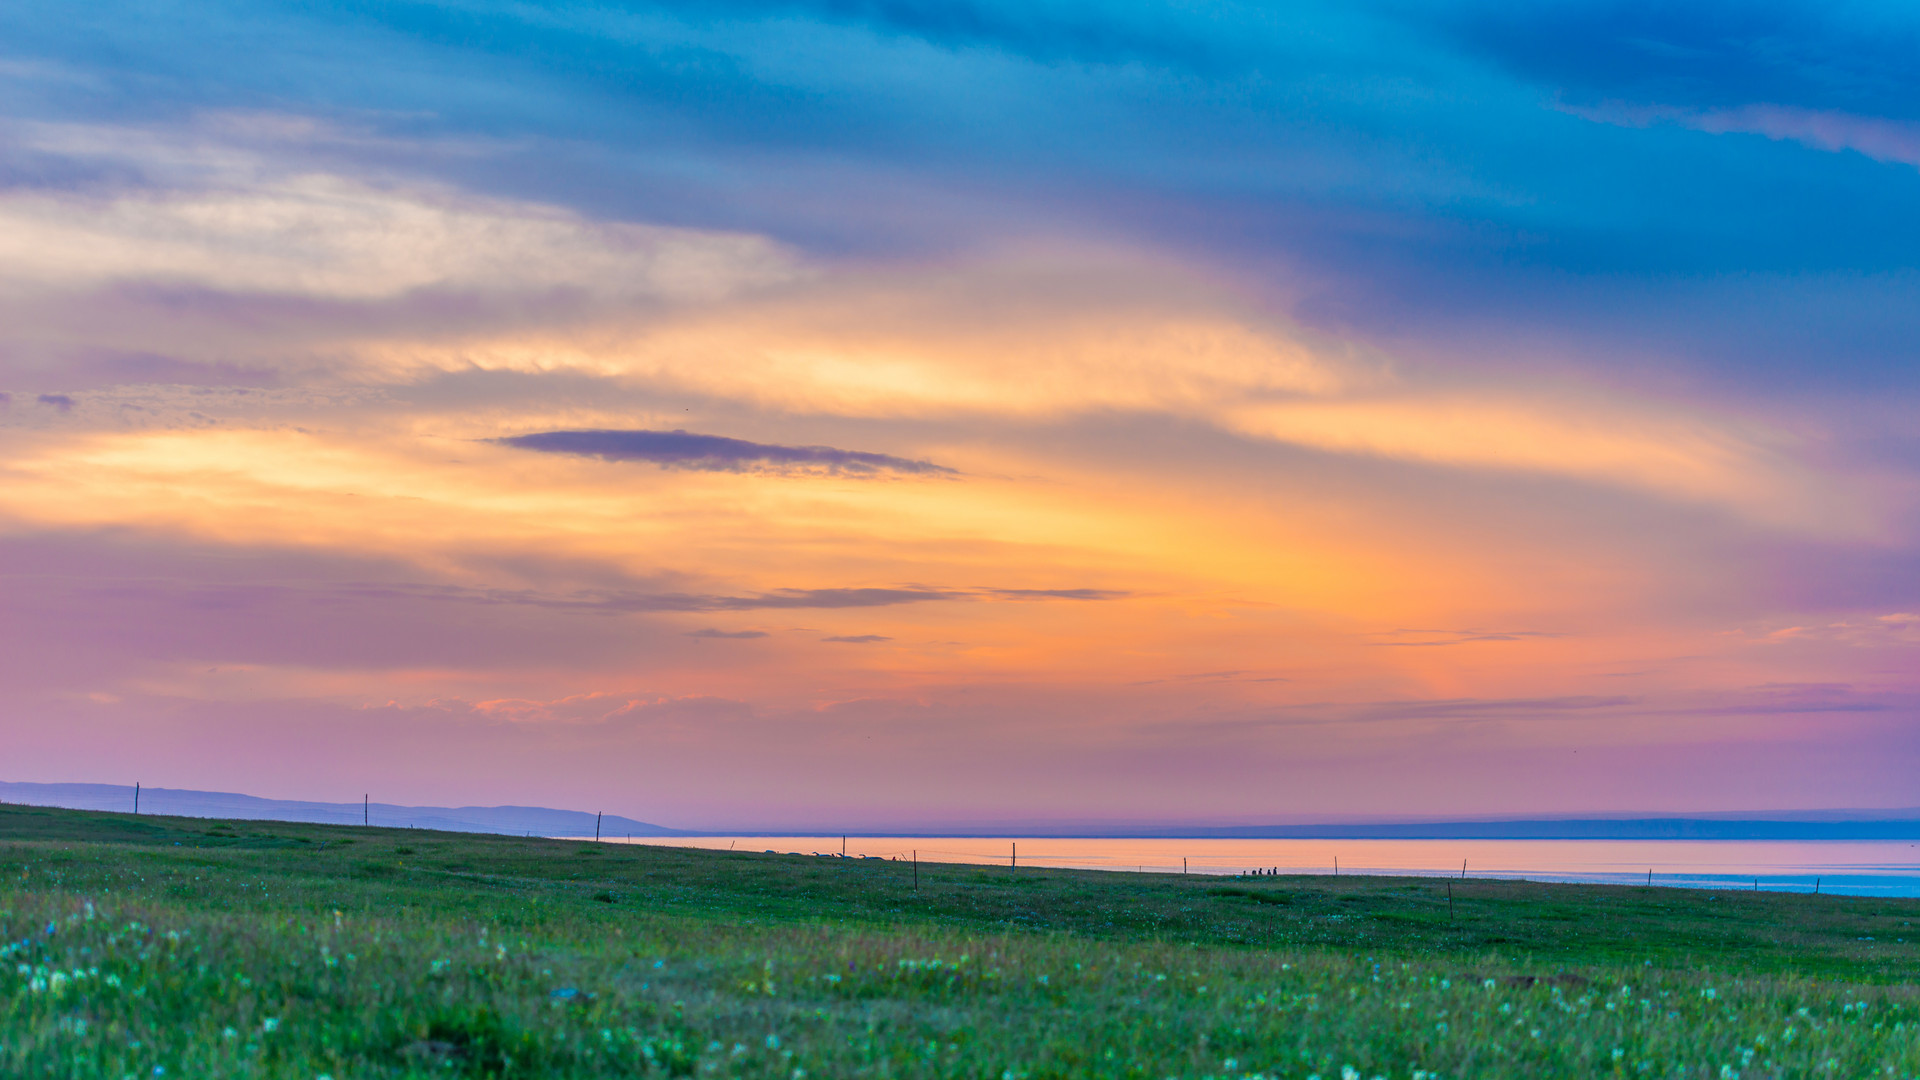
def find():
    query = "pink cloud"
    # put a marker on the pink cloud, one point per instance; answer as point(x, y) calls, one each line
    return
point(1820, 129)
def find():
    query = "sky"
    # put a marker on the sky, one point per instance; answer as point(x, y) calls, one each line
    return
point(868, 414)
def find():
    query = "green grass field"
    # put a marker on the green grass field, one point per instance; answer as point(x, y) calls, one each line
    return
point(178, 948)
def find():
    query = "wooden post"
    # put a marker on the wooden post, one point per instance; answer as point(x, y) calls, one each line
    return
point(1183, 866)
point(366, 809)
point(1649, 877)
point(843, 847)
point(1816, 886)
point(136, 798)
point(1013, 863)
point(1463, 869)
point(1336, 866)
point(1449, 901)
point(596, 826)
point(916, 869)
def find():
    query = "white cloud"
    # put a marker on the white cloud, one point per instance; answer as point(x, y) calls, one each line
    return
point(221, 219)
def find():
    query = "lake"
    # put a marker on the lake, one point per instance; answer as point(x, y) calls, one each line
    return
point(1855, 868)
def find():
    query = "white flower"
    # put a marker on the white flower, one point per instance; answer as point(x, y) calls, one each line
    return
point(270, 1025)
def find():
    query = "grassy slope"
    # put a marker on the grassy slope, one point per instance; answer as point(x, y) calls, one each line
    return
point(389, 952)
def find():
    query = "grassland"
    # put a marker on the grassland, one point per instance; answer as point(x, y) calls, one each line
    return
point(177, 948)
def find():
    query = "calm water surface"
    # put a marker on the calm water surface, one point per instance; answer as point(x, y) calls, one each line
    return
point(1869, 869)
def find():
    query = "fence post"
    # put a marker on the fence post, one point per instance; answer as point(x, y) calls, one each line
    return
point(596, 825)
point(136, 798)
point(916, 869)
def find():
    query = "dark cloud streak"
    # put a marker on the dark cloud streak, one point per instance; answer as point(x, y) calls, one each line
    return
point(716, 453)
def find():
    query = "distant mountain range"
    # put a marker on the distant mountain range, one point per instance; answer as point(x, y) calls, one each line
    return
point(514, 820)
point(1881, 825)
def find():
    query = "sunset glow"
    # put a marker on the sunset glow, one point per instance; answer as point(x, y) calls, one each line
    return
point(1061, 413)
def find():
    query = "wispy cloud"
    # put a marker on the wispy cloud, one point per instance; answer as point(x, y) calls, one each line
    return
point(858, 639)
point(226, 217)
point(1425, 638)
point(1830, 130)
point(740, 635)
point(686, 450)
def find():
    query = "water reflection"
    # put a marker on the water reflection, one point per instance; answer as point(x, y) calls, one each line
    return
point(1867, 869)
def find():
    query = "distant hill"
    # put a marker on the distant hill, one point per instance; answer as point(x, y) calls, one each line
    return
point(1861, 825)
point(513, 820)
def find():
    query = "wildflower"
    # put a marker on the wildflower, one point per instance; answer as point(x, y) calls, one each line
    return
point(270, 1025)
point(1709, 993)
point(1488, 984)
point(1348, 1072)
point(773, 1042)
